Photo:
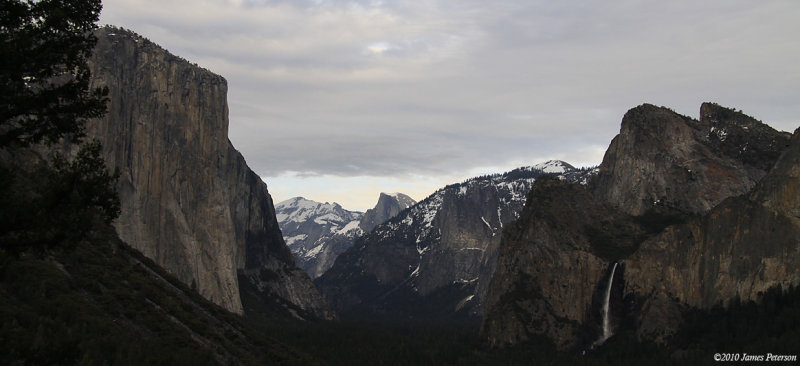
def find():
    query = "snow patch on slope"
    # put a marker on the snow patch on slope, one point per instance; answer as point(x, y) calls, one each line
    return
point(553, 167)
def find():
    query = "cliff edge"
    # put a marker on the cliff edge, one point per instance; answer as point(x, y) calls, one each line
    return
point(189, 201)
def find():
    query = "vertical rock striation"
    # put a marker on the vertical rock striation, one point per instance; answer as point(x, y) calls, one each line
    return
point(552, 266)
point(682, 205)
point(189, 201)
point(388, 206)
point(661, 158)
point(741, 248)
point(435, 259)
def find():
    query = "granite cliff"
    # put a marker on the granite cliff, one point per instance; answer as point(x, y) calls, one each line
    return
point(674, 214)
point(189, 201)
point(388, 206)
point(434, 260)
point(553, 262)
point(742, 248)
point(663, 159)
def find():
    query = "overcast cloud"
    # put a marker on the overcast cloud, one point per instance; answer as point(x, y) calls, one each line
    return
point(339, 100)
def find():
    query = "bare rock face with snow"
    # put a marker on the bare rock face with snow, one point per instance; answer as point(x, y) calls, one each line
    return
point(553, 266)
point(388, 206)
point(661, 158)
point(189, 200)
point(435, 259)
point(741, 248)
point(317, 233)
point(679, 204)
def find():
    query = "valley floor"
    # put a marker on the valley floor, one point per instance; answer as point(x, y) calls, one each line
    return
point(103, 303)
point(769, 327)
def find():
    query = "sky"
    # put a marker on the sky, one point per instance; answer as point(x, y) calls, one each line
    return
point(337, 101)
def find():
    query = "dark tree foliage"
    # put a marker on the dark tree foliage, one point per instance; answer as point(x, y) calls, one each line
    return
point(56, 204)
point(44, 76)
point(85, 181)
point(45, 97)
point(769, 325)
point(104, 303)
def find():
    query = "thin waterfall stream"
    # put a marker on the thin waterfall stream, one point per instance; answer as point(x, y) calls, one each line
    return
point(606, 309)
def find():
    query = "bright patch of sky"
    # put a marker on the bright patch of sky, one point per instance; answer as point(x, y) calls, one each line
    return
point(340, 100)
point(379, 47)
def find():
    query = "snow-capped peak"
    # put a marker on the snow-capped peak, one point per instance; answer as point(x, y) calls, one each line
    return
point(554, 166)
point(299, 209)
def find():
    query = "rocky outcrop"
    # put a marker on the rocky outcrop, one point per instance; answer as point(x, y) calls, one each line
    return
point(741, 137)
point(780, 189)
point(388, 206)
point(670, 205)
point(189, 201)
point(435, 259)
point(661, 158)
point(743, 247)
point(552, 263)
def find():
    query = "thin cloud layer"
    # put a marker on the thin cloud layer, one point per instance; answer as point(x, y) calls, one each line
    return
point(392, 88)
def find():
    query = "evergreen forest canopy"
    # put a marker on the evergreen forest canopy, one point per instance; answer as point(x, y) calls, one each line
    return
point(46, 99)
point(45, 78)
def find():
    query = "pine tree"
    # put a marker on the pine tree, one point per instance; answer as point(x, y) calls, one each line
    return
point(44, 76)
point(44, 97)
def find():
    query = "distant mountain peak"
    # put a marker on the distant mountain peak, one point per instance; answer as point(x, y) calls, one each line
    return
point(554, 166)
point(389, 205)
point(299, 209)
point(317, 233)
point(403, 199)
point(438, 254)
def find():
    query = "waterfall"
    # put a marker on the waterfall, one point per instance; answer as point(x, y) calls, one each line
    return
point(606, 307)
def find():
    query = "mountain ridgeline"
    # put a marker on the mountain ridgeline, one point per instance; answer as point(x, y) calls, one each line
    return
point(435, 259)
point(683, 216)
point(690, 214)
point(685, 241)
point(189, 201)
point(317, 233)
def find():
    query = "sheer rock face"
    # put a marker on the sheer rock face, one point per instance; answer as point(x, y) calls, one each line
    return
point(388, 206)
point(431, 253)
point(679, 203)
point(434, 260)
point(553, 263)
point(189, 201)
point(744, 246)
point(661, 158)
point(780, 190)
